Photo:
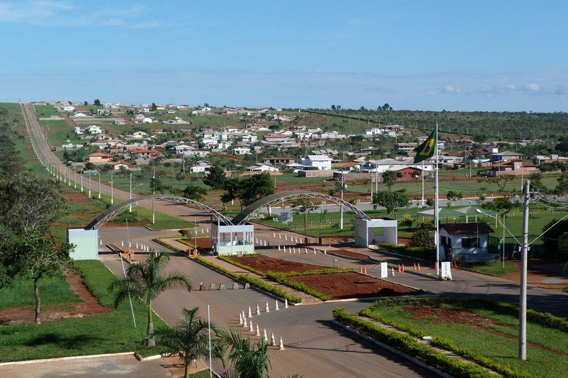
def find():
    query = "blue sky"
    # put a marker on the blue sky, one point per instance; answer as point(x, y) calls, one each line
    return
point(427, 55)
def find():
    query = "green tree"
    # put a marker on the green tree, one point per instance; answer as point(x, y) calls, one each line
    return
point(562, 186)
point(452, 196)
point(154, 107)
point(422, 237)
point(501, 181)
point(190, 339)
point(37, 256)
point(194, 192)
point(247, 360)
point(391, 200)
point(303, 206)
point(216, 177)
point(389, 179)
point(28, 202)
point(97, 102)
point(145, 281)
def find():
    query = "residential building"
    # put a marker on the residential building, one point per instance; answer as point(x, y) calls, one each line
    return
point(316, 162)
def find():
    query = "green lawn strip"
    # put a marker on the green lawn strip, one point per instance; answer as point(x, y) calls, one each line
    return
point(410, 346)
point(55, 293)
point(494, 268)
point(163, 242)
point(253, 281)
point(300, 286)
point(112, 332)
point(498, 347)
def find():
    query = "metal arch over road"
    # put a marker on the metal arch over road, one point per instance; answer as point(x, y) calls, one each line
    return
point(244, 215)
point(112, 212)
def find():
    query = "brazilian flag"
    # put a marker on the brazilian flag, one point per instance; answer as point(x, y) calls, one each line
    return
point(426, 150)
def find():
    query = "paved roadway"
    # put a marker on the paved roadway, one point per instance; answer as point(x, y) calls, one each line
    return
point(314, 346)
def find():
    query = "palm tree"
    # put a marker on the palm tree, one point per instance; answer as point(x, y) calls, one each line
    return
point(190, 339)
point(247, 360)
point(145, 281)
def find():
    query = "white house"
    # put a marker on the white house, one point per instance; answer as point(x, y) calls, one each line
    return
point(261, 167)
point(200, 167)
point(78, 130)
point(241, 150)
point(93, 129)
point(321, 162)
point(466, 241)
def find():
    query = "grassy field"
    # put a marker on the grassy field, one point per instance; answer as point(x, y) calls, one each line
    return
point(495, 268)
point(54, 291)
point(109, 333)
point(485, 331)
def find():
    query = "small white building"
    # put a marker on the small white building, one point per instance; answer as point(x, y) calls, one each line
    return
point(467, 242)
point(241, 150)
point(320, 162)
point(200, 167)
point(261, 167)
point(93, 129)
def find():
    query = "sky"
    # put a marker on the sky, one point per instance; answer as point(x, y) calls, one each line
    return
point(416, 55)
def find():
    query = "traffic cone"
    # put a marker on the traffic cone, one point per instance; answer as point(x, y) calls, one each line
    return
point(392, 271)
point(257, 309)
point(281, 344)
point(276, 306)
point(251, 328)
point(241, 319)
point(250, 313)
point(257, 331)
point(285, 302)
point(272, 339)
point(414, 266)
point(404, 270)
point(365, 270)
point(267, 308)
point(419, 268)
point(399, 268)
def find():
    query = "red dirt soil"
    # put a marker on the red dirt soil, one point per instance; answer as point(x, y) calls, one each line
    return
point(267, 264)
point(353, 285)
point(88, 306)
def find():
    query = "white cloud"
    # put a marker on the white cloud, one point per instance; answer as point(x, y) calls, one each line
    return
point(67, 13)
point(533, 87)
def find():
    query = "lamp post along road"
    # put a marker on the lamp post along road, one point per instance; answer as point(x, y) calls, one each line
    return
point(524, 256)
point(341, 206)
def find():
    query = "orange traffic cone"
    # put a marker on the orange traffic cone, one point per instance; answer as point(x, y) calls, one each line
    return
point(365, 270)
point(419, 268)
point(414, 266)
point(404, 270)
point(399, 268)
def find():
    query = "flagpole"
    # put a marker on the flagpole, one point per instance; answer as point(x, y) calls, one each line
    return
point(436, 207)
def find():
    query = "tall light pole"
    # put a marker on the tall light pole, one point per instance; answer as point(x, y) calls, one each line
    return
point(524, 256)
point(81, 181)
point(75, 180)
point(99, 190)
point(111, 187)
point(89, 184)
point(153, 193)
point(130, 194)
point(341, 205)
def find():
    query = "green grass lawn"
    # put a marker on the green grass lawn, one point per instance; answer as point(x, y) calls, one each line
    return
point(494, 335)
point(53, 291)
point(109, 333)
point(495, 268)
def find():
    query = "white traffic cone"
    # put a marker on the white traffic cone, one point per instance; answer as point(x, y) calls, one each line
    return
point(267, 309)
point(264, 338)
point(272, 339)
point(251, 329)
point(240, 319)
point(285, 302)
point(257, 331)
point(281, 347)
point(250, 313)
point(277, 306)
point(257, 309)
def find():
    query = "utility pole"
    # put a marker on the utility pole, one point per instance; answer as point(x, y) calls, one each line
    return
point(130, 194)
point(81, 181)
point(99, 174)
point(154, 193)
point(524, 256)
point(341, 205)
point(89, 184)
point(422, 198)
point(111, 188)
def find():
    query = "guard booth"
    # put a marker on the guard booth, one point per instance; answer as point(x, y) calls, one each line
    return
point(232, 239)
point(86, 243)
point(374, 231)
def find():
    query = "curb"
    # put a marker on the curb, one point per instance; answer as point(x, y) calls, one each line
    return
point(149, 358)
point(67, 358)
point(394, 350)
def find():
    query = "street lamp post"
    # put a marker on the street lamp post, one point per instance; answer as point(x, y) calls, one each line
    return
point(89, 184)
point(523, 299)
point(130, 194)
point(82, 182)
point(99, 190)
point(341, 205)
point(111, 188)
point(479, 211)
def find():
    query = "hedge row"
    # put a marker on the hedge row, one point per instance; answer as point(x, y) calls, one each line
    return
point(253, 281)
point(168, 245)
point(487, 362)
point(383, 319)
point(417, 252)
point(246, 267)
point(542, 318)
point(300, 286)
point(411, 347)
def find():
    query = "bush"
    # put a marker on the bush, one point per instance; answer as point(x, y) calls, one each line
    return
point(422, 238)
point(417, 252)
point(411, 347)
